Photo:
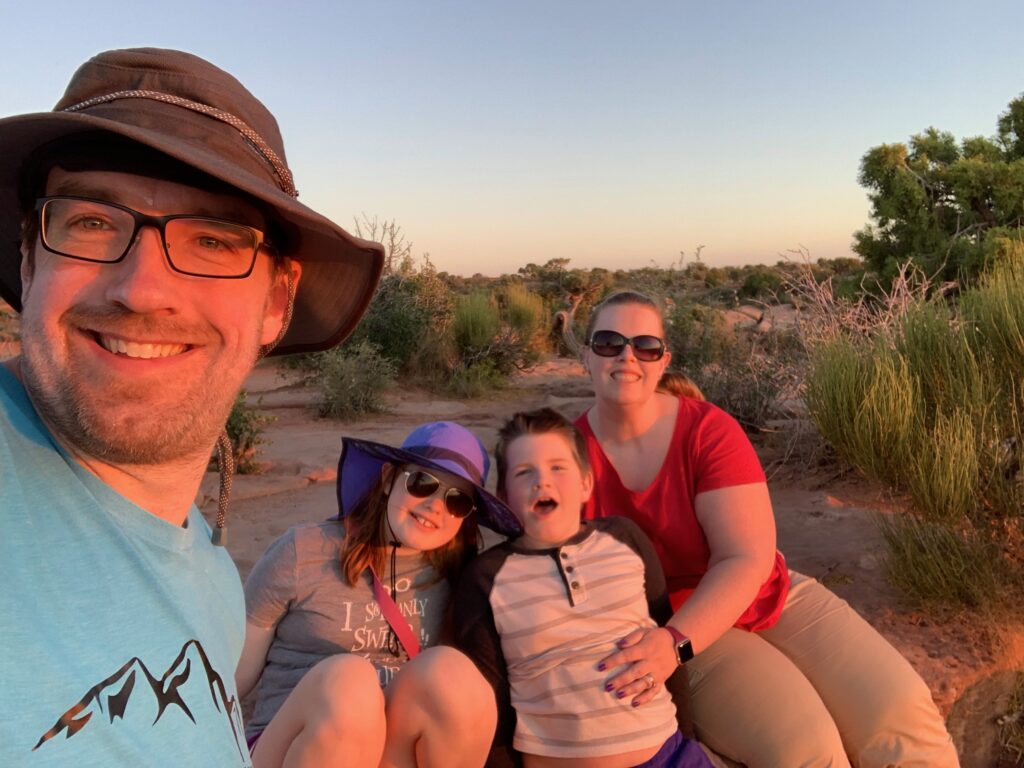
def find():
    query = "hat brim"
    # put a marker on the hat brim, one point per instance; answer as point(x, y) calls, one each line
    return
point(339, 271)
point(360, 465)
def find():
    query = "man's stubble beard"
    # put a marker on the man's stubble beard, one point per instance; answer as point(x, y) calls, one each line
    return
point(186, 429)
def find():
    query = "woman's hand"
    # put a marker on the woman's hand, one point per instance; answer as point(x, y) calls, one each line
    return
point(650, 657)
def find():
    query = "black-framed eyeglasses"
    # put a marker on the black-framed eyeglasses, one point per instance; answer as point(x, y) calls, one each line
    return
point(646, 348)
point(102, 232)
point(422, 484)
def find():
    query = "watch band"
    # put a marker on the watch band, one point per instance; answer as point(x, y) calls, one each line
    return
point(684, 648)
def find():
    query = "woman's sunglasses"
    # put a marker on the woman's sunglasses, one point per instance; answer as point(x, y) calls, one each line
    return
point(647, 349)
point(422, 484)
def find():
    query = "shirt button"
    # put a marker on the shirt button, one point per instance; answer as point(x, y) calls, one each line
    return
point(565, 556)
point(569, 568)
point(575, 585)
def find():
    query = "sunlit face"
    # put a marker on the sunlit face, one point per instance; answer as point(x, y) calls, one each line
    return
point(545, 488)
point(424, 523)
point(623, 379)
point(134, 363)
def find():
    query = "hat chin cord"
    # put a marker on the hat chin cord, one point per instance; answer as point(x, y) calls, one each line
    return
point(225, 454)
point(394, 647)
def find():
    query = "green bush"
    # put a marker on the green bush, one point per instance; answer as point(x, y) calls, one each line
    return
point(929, 400)
point(245, 431)
point(524, 310)
point(761, 283)
point(864, 403)
point(476, 380)
point(352, 380)
point(409, 318)
point(528, 320)
point(742, 372)
point(10, 326)
point(475, 325)
point(493, 338)
point(935, 563)
point(1011, 722)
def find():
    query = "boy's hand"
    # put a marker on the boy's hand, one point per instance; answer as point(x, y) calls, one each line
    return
point(650, 658)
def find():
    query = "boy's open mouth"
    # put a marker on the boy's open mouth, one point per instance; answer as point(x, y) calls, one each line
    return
point(544, 505)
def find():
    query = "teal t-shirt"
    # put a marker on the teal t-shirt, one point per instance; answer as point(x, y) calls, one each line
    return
point(119, 633)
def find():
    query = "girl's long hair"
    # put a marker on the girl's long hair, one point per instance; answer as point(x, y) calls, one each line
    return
point(368, 539)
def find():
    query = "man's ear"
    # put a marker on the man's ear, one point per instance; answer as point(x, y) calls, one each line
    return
point(282, 293)
point(27, 269)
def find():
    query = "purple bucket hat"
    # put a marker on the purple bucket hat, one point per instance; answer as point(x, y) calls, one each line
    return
point(440, 445)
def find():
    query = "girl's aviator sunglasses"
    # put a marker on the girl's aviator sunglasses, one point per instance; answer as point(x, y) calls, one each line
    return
point(647, 349)
point(422, 484)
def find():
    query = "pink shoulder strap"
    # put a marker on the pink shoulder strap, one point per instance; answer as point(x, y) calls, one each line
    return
point(389, 608)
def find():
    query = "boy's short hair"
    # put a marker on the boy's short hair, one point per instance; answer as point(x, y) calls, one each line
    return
point(541, 421)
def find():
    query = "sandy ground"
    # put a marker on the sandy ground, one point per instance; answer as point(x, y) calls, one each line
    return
point(825, 528)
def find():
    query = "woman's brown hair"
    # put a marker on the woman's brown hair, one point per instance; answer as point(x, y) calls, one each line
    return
point(368, 540)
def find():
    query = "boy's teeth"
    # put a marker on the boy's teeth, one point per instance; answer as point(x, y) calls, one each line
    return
point(141, 350)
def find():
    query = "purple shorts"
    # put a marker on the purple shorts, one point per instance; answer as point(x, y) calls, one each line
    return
point(678, 752)
point(251, 740)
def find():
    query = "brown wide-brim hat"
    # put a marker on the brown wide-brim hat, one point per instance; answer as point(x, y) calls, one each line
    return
point(184, 107)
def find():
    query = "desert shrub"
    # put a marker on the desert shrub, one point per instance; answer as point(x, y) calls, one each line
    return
point(740, 371)
point(475, 325)
point(761, 283)
point(495, 336)
point(926, 395)
point(245, 431)
point(934, 563)
point(10, 327)
point(524, 310)
point(863, 401)
point(996, 313)
point(352, 380)
point(527, 317)
point(476, 380)
point(409, 318)
point(1011, 722)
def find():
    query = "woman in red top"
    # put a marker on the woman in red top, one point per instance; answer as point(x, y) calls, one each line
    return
point(782, 672)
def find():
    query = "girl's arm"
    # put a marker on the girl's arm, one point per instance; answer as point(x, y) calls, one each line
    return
point(254, 657)
point(269, 591)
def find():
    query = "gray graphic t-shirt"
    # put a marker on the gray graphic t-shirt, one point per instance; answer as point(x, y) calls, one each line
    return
point(298, 586)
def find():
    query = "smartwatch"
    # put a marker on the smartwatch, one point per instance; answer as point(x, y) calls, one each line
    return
point(684, 648)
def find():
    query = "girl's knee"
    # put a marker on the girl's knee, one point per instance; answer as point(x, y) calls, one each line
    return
point(449, 680)
point(343, 692)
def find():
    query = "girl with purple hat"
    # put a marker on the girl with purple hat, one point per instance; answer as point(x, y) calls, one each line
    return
point(336, 614)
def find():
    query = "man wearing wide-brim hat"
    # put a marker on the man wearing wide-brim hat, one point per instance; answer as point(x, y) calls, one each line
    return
point(151, 237)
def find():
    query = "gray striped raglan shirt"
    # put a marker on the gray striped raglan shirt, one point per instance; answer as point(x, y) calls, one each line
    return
point(537, 622)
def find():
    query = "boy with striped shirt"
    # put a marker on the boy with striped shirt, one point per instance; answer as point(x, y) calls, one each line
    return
point(538, 613)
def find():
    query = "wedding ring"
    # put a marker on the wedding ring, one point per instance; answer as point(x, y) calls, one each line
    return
point(649, 679)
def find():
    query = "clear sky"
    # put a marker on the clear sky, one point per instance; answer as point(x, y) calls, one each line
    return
point(616, 134)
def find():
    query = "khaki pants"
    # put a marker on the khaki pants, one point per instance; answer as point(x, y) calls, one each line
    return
point(820, 688)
